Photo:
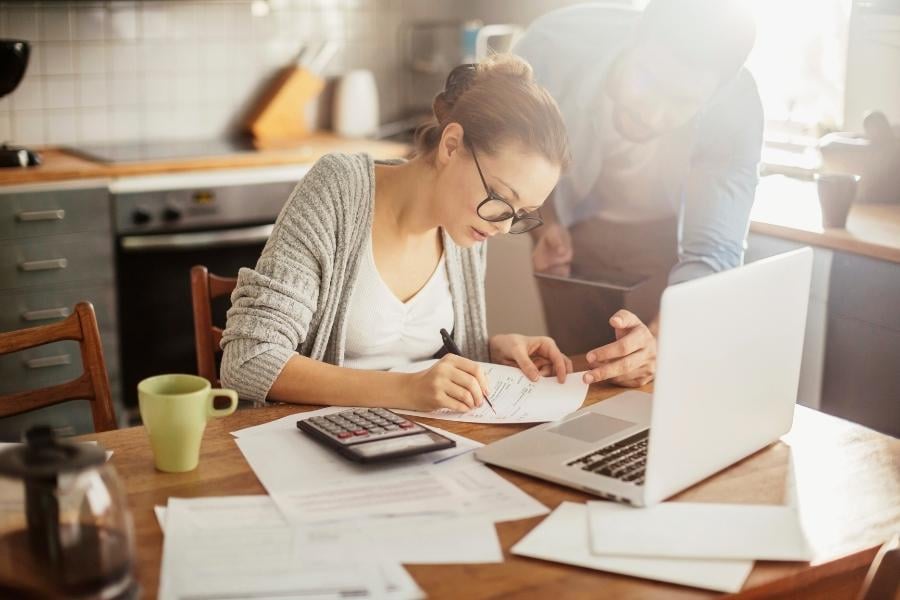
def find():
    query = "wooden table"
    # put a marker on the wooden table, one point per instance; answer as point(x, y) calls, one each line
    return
point(848, 484)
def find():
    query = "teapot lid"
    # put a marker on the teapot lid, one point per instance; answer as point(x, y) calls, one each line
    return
point(43, 456)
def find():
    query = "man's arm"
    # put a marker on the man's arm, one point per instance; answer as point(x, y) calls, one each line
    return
point(719, 191)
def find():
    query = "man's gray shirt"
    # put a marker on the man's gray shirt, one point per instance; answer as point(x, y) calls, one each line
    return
point(704, 172)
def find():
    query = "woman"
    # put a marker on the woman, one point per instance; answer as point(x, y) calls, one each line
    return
point(368, 261)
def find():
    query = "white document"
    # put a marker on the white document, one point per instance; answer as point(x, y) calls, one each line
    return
point(563, 537)
point(239, 546)
point(285, 459)
point(432, 541)
point(515, 398)
point(409, 539)
point(697, 530)
point(465, 488)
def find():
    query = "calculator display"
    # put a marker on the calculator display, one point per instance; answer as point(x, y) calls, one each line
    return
point(397, 444)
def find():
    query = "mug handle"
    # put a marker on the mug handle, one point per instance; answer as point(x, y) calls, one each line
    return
point(222, 412)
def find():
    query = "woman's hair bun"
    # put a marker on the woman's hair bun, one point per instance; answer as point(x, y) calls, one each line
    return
point(458, 81)
point(496, 101)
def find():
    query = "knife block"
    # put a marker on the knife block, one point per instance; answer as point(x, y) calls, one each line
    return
point(280, 115)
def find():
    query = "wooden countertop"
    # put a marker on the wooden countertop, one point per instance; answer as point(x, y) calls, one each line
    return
point(789, 208)
point(847, 481)
point(59, 165)
point(784, 207)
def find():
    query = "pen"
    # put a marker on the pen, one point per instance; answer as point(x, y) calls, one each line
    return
point(451, 347)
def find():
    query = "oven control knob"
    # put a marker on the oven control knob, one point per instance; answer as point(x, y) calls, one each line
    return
point(140, 216)
point(171, 214)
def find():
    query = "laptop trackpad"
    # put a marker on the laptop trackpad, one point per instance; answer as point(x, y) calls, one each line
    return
point(591, 427)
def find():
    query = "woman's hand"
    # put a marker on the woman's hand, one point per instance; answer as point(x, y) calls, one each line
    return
point(452, 382)
point(630, 361)
point(536, 356)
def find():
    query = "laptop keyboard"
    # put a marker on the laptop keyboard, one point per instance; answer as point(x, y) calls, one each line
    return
point(624, 460)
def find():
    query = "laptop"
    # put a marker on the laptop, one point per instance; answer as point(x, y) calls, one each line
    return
point(728, 368)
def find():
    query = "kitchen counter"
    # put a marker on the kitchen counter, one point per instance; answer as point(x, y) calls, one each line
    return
point(784, 208)
point(789, 209)
point(60, 165)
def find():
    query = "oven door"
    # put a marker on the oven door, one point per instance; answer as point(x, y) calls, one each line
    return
point(155, 314)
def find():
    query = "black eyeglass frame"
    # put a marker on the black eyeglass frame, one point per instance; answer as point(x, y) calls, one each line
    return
point(532, 219)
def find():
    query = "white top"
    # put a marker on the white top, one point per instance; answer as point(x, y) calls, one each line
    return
point(382, 331)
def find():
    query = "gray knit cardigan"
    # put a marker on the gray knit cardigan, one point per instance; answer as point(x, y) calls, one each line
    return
point(297, 297)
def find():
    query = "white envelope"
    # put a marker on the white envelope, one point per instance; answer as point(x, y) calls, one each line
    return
point(563, 537)
point(697, 530)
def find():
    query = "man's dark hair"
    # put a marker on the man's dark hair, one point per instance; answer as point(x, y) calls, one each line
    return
point(713, 35)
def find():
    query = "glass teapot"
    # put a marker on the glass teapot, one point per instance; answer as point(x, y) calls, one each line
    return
point(65, 530)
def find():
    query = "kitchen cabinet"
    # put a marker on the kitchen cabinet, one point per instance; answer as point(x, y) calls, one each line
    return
point(851, 351)
point(56, 249)
point(862, 366)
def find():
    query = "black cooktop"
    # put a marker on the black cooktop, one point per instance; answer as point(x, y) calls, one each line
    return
point(135, 152)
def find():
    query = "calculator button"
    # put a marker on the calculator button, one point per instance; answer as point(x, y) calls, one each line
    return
point(391, 427)
point(343, 434)
point(376, 430)
point(360, 432)
point(405, 424)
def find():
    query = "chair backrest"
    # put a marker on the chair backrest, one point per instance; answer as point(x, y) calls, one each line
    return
point(205, 287)
point(883, 579)
point(93, 385)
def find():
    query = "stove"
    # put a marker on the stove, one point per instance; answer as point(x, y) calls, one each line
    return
point(137, 152)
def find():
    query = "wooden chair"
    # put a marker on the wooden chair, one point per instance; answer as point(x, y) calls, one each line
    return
point(883, 578)
point(93, 385)
point(205, 287)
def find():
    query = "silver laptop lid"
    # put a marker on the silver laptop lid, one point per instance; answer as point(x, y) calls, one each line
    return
point(728, 367)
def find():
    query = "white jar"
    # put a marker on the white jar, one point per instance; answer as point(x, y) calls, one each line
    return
point(355, 106)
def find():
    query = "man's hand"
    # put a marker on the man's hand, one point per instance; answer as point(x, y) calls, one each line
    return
point(552, 250)
point(630, 361)
point(535, 356)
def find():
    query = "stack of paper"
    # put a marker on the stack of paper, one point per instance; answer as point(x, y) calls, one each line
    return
point(515, 398)
point(409, 540)
point(563, 537)
point(710, 546)
point(332, 528)
point(311, 483)
point(242, 547)
point(698, 530)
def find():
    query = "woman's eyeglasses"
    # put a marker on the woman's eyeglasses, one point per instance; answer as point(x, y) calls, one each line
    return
point(495, 209)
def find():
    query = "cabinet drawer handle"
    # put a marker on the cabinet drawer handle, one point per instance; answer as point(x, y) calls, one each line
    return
point(44, 265)
point(44, 314)
point(42, 215)
point(49, 361)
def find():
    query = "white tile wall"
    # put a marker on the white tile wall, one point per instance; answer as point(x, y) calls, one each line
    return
point(160, 69)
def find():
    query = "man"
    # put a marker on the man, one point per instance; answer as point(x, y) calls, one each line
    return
point(665, 127)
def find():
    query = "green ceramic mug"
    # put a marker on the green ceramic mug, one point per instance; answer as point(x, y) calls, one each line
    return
point(175, 409)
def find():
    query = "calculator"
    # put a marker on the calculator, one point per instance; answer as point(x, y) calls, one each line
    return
point(373, 434)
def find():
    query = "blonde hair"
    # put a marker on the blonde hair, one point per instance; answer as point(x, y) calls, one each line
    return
point(497, 101)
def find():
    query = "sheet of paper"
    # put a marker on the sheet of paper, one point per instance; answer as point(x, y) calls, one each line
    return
point(563, 537)
point(515, 398)
point(465, 488)
point(409, 539)
point(697, 530)
point(484, 492)
point(240, 546)
point(428, 540)
point(285, 459)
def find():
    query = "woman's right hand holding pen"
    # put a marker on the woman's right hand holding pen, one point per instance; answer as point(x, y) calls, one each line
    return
point(452, 382)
